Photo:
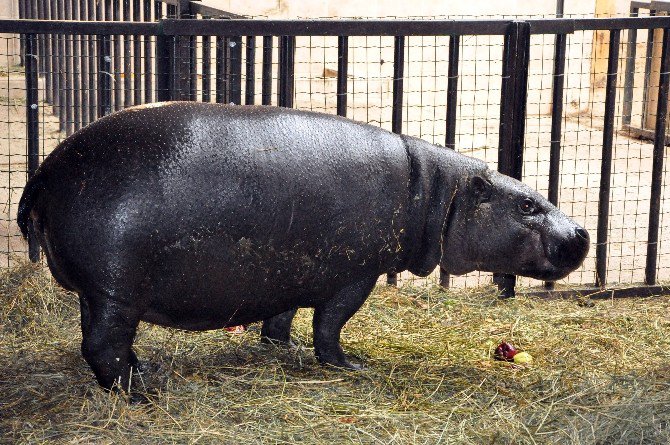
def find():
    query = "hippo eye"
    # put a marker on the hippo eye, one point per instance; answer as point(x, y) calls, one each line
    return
point(527, 206)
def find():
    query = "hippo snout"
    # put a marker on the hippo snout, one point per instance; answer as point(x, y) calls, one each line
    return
point(571, 251)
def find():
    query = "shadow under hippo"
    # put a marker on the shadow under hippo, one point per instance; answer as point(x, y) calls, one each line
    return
point(200, 216)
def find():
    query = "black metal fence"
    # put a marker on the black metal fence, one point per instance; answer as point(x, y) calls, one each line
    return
point(91, 69)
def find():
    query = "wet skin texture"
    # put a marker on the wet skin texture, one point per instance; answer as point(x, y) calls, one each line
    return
point(200, 216)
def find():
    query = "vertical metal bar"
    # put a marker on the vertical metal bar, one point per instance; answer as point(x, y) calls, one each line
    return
point(46, 51)
point(94, 11)
point(281, 72)
point(556, 116)
point(55, 67)
point(193, 67)
point(250, 71)
point(33, 128)
point(40, 40)
point(76, 71)
point(69, 75)
point(158, 10)
point(452, 91)
point(452, 104)
point(286, 71)
point(163, 72)
point(266, 87)
point(22, 43)
point(513, 117)
point(137, 56)
point(206, 68)
point(396, 116)
point(83, 63)
point(182, 70)
point(235, 44)
point(630, 71)
point(62, 72)
point(220, 80)
point(148, 75)
point(606, 166)
point(558, 83)
point(117, 58)
point(657, 169)
point(105, 75)
point(127, 61)
point(647, 72)
point(342, 72)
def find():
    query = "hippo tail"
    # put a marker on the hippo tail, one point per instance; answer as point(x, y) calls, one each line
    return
point(28, 199)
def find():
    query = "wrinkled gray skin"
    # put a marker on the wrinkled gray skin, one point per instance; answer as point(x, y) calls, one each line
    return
point(200, 216)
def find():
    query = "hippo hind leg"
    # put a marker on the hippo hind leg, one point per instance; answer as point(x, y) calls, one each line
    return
point(277, 329)
point(331, 316)
point(108, 330)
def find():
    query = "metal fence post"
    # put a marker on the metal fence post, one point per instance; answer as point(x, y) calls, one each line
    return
point(137, 56)
point(222, 86)
point(657, 169)
point(342, 68)
point(396, 112)
point(235, 78)
point(163, 71)
point(513, 117)
point(105, 76)
point(250, 71)
point(452, 104)
point(33, 127)
point(148, 62)
point(266, 87)
point(206, 68)
point(556, 122)
point(606, 166)
point(286, 71)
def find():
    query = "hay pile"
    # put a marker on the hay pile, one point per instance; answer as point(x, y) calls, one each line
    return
point(601, 375)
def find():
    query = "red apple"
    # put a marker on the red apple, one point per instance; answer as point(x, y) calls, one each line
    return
point(505, 351)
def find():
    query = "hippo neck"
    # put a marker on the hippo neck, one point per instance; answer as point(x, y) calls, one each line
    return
point(436, 174)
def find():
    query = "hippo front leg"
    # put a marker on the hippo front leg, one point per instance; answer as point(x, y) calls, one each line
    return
point(330, 317)
point(277, 329)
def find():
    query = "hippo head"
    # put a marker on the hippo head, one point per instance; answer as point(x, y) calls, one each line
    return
point(498, 224)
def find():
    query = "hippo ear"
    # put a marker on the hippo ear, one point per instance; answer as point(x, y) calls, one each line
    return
point(481, 188)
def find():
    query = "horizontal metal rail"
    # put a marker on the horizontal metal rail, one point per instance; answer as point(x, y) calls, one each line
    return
point(79, 27)
point(237, 27)
point(597, 293)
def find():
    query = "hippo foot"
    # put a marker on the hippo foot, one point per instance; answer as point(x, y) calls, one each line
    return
point(280, 342)
point(137, 398)
point(333, 355)
point(342, 364)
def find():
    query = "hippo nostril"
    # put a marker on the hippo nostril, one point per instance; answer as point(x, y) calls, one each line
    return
point(581, 233)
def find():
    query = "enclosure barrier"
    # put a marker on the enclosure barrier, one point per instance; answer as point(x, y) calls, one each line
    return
point(170, 43)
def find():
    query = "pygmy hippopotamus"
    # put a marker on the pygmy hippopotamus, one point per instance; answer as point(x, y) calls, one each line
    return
point(201, 216)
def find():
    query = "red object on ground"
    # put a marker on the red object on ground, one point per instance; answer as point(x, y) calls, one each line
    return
point(505, 351)
point(236, 329)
